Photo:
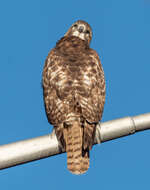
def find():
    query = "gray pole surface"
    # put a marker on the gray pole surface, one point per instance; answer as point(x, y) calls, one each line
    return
point(41, 147)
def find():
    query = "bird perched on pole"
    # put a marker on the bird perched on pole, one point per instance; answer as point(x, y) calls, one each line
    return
point(74, 94)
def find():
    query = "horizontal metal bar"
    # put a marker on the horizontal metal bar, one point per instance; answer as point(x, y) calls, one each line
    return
point(41, 147)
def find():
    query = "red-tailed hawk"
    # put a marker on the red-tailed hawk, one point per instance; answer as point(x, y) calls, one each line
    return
point(74, 94)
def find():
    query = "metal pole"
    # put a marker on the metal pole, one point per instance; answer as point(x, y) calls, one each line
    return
point(41, 147)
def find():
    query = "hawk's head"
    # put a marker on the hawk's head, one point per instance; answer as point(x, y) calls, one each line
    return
point(80, 29)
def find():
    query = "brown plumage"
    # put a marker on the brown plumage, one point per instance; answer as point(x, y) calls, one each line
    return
point(74, 94)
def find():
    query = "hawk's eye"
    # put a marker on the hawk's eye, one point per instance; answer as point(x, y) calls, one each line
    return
point(87, 32)
point(75, 25)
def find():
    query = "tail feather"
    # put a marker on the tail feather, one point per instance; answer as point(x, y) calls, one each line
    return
point(77, 158)
point(88, 135)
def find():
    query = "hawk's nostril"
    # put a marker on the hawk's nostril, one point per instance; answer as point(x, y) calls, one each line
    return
point(81, 28)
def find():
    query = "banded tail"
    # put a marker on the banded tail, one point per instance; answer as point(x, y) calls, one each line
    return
point(77, 157)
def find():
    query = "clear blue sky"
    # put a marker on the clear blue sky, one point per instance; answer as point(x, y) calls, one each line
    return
point(28, 30)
